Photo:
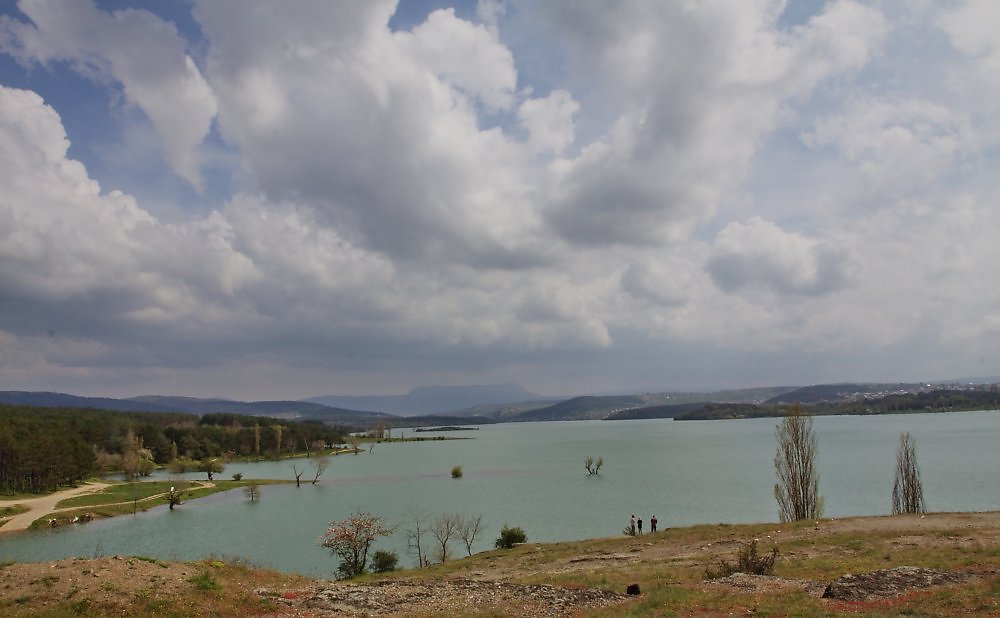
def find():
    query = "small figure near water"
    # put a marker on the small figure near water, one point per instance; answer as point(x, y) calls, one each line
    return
point(652, 523)
point(638, 524)
point(631, 524)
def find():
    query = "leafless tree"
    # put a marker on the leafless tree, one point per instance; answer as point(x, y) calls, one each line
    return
point(415, 535)
point(593, 467)
point(797, 489)
point(468, 528)
point(907, 490)
point(252, 490)
point(319, 463)
point(444, 527)
point(298, 474)
point(277, 441)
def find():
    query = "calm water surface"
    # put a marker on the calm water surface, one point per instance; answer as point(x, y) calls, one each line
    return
point(531, 475)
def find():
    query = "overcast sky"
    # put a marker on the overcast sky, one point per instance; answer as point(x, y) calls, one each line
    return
point(287, 199)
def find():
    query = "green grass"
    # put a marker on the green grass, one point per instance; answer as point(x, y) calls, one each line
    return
point(205, 581)
point(123, 498)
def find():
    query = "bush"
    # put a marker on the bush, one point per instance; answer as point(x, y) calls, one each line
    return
point(204, 581)
point(748, 561)
point(510, 537)
point(238, 476)
point(384, 561)
point(456, 472)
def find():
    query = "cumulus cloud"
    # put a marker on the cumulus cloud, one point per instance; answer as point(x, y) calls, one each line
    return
point(699, 87)
point(134, 47)
point(758, 253)
point(687, 189)
point(901, 144)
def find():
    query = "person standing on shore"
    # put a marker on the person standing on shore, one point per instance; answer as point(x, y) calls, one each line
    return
point(638, 524)
point(631, 524)
point(652, 524)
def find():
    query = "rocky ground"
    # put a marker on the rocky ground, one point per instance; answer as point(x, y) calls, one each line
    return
point(506, 583)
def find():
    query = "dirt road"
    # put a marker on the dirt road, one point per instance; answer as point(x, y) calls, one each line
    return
point(41, 506)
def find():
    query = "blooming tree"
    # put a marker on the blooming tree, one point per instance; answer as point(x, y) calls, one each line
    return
point(351, 538)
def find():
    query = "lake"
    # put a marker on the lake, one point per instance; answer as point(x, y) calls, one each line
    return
point(532, 475)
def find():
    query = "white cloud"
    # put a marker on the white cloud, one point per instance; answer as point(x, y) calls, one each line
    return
point(133, 47)
point(549, 121)
point(466, 56)
point(760, 254)
point(408, 211)
point(700, 86)
point(902, 144)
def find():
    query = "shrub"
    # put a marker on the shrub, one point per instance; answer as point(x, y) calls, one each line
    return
point(384, 561)
point(351, 538)
point(204, 581)
point(456, 472)
point(510, 537)
point(748, 561)
point(238, 476)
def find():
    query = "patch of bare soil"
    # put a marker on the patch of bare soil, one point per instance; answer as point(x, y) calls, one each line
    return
point(403, 597)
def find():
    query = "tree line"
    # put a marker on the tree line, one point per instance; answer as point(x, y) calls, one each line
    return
point(43, 448)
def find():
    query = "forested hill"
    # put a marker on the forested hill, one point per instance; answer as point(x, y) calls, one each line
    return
point(42, 448)
point(580, 408)
point(291, 410)
point(942, 400)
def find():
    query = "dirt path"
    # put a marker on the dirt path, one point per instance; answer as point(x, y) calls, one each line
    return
point(39, 507)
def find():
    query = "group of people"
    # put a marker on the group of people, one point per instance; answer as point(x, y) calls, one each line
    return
point(635, 525)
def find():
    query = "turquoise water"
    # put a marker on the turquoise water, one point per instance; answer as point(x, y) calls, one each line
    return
point(532, 475)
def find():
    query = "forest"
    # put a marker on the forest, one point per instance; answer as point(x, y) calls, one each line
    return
point(43, 448)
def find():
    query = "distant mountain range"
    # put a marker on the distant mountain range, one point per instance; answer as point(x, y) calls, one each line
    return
point(434, 399)
point(500, 403)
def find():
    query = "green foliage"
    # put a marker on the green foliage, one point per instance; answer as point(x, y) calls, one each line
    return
point(205, 581)
point(384, 561)
point(510, 537)
point(43, 448)
point(456, 472)
point(748, 561)
point(238, 476)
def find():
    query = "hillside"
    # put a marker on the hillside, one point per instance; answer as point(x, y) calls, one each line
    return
point(434, 399)
point(941, 564)
point(579, 409)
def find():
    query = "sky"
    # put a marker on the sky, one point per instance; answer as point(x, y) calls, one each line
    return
point(264, 200)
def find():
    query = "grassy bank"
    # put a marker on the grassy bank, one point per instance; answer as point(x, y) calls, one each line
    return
point(127, 498)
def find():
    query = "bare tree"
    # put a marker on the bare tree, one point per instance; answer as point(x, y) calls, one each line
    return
point(468, 528)
point(277, 441)
point(444, 527)
point(907, 490)
point(319, 463)
point(797, 489)
point(298, 474)
point(252, 490)
point(593, 467)
point(415, 535)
